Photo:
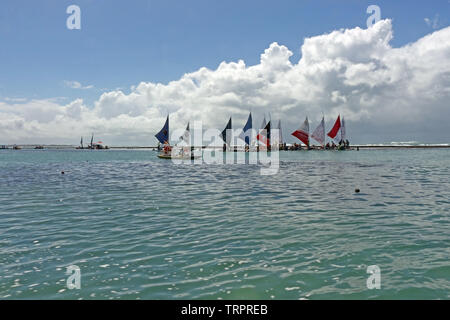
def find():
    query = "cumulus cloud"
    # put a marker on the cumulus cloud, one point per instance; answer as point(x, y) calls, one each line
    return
point(384, 93)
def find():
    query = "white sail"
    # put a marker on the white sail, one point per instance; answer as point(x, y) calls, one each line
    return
point(343, 134)
point(277, 138)
point(186, 135)
point(319, 133)
point(305, 126)
point(303, 132)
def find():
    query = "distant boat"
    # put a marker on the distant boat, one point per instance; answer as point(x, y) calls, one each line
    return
point(168, 151)
point(264, 135)
point(279, 144)
point(246, 133)
point(178, 156)
point(303, 133)
point(319, 133)
point(336, 128)
point(39, 147)
point(163, 138)
point(81, 144)
point(96, 145)
point(225, 136)
point(16, 147)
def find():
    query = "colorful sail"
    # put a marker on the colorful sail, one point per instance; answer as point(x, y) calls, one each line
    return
point(335, 130)
point(247, 131)
point(264, 136)
point(225, 136)
point(319, 133)
point(303, 132)
point(163, 135)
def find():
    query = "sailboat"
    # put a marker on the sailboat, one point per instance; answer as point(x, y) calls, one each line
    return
point(319, 133)
point(81, 144)
point(264, 135)
point(303, 133)
point(96, 145)
point(277, 139)
point(163, 138)
point(334, 134)
point(280, 133)
point(168, 150)
point(336, 128)
point(226, 137)
point(246, 133)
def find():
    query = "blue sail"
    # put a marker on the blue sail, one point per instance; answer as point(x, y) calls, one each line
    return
point(246, 132)
point(163, 135)
point(224, 135)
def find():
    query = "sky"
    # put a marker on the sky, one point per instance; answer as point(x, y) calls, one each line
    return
point(132, 62)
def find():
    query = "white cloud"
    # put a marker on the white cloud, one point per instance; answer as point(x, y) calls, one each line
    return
point(14, 99)
point(433, 23)
point(76, 85)
point(385, 94)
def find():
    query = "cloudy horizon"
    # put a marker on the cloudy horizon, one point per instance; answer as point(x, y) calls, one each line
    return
point(385, 93)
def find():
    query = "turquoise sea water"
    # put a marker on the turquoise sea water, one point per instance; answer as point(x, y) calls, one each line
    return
point(141, 227)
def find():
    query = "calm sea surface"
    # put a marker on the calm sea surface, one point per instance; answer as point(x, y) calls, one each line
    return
point(141, 227)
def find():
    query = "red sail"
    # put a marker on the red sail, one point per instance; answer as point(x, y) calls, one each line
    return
point(337, 125)
point(264, 136)
point(303, 132)
point(302, 136)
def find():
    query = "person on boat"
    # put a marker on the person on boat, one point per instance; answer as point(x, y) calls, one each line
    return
point(333, 145)
point(347, 144)
point(167, 149)
point(327, 146)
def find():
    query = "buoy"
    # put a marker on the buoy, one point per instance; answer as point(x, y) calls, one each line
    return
point(357, 190)
point(62, 172)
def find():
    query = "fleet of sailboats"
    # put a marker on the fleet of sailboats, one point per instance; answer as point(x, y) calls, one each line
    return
point(264, 139)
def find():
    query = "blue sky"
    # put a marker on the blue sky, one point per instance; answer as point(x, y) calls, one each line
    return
point(122, 43)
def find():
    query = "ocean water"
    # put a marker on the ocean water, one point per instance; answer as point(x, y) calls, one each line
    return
point(139, 227)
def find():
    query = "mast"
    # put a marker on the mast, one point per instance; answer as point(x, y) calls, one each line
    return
point(324, 135)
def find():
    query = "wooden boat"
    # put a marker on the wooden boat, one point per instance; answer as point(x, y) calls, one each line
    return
point(177, 157)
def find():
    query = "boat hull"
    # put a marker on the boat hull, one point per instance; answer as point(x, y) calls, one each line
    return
point(169, 157)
